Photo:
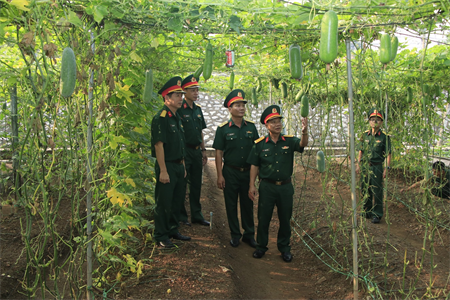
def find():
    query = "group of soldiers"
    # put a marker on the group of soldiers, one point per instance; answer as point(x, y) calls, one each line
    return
point(242, 156)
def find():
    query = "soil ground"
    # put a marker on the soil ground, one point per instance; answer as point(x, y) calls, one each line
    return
point(207, 267)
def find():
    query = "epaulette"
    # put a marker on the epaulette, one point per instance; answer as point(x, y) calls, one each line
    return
point(259, 140)
point(366, 131)
point(163, 113)
point(198, 105)
point(250, 121)
point(288, 135)
point(223, 124)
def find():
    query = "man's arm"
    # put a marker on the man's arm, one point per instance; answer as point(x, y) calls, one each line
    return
point(304, 139)
point(159, 149)
point(254, 170)
point(388, 164)
point(220, 179)
point(358, 161)
point(202, 146)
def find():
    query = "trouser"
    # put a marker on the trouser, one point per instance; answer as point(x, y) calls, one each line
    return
point(372, 190)
point(167, 197)
point(236, 185)
point(194, 168)
point(269, 196)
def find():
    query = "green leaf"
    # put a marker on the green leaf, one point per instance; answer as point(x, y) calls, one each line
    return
point(73, 19)
point(134, 56)
point(20, 4)
point(447, 62)
point(117, 13)
point(303, 18)
point(175, 24)
point(100, 12)
point(235, 24)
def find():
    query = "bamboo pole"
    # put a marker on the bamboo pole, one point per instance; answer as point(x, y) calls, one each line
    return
point(15, 138)
point(352, 160)
point(89, 179)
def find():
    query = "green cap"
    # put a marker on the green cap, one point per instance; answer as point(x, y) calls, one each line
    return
point(171, 86)
point(189, 82)
point(234, 96)
point(376, 113)
point(272, 112)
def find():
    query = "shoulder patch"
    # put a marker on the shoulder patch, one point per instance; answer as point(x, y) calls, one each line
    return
point(250, 121)
point(223, 124)
point(259, 140)
point(288, 135)
point(163, 113)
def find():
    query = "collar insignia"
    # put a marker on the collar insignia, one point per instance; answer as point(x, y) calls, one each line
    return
point(285, 147)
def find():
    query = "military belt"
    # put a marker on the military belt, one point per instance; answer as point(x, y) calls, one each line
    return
point(238, 168)
point(282, 182)
point(176, 161)
point(193, 147)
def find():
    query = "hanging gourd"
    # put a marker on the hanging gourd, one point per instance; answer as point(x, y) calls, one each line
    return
point(148, 88)
point(259, 85)
point(284, 90)
point(409, 95)
point(320, 161)
point(275, 83)
point(254, 97)
point(437, 90)
point(68, 72)
point(394, 47)
point(231, 80)
point(329, 38)
point(304, 108)
point(198, 72)
point(295, 61)
point(385, 48)
point(208, 63)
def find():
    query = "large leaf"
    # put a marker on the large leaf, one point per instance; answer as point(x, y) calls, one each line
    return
point(235, 24)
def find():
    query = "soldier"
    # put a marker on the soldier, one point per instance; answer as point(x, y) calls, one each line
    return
point(168, 148)
point(375, 146)
point(233, 142)
point(272, 157)
point(193, 124)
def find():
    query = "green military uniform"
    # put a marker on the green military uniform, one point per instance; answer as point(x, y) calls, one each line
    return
point(236, 143)
point(375, 148)
point(193, 124)
point(275, 162)
point(167, 128)
point(441, 186)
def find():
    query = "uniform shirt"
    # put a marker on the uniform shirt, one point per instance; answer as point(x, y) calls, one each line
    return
point(236, 143)
point(374, 146)
point(193, 123)
point(167, 128)
point(275, 161)
point(442, 186)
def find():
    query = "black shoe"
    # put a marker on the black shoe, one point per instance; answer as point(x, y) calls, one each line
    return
point(250, 241)
point(179, 236)
point(375, 220)
point(234, 242)
point(185, 223)
point(166, 244)
point(287, 256)
point(202, 222)
point(258, 254)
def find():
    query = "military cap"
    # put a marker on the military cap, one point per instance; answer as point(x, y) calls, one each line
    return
point(272, 112)
point(234, 96)
point(376, 113)
point(189, 82)
point(171, 86)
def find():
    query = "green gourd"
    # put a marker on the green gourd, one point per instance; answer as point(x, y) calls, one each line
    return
point(275, 83)
point(259, 86)
point(299, 95)
point(328, 38)
point(254, 97)
point(231, 80)
point(437, 90)
point(394, 47)
point(148, 88)
point(284, 90)
point(68, 72)
point(198, 72)
point(385, 48)
point(320, 161)
point(409, 95)
point(295, 61)
point(304, 108)
point(208, 63)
